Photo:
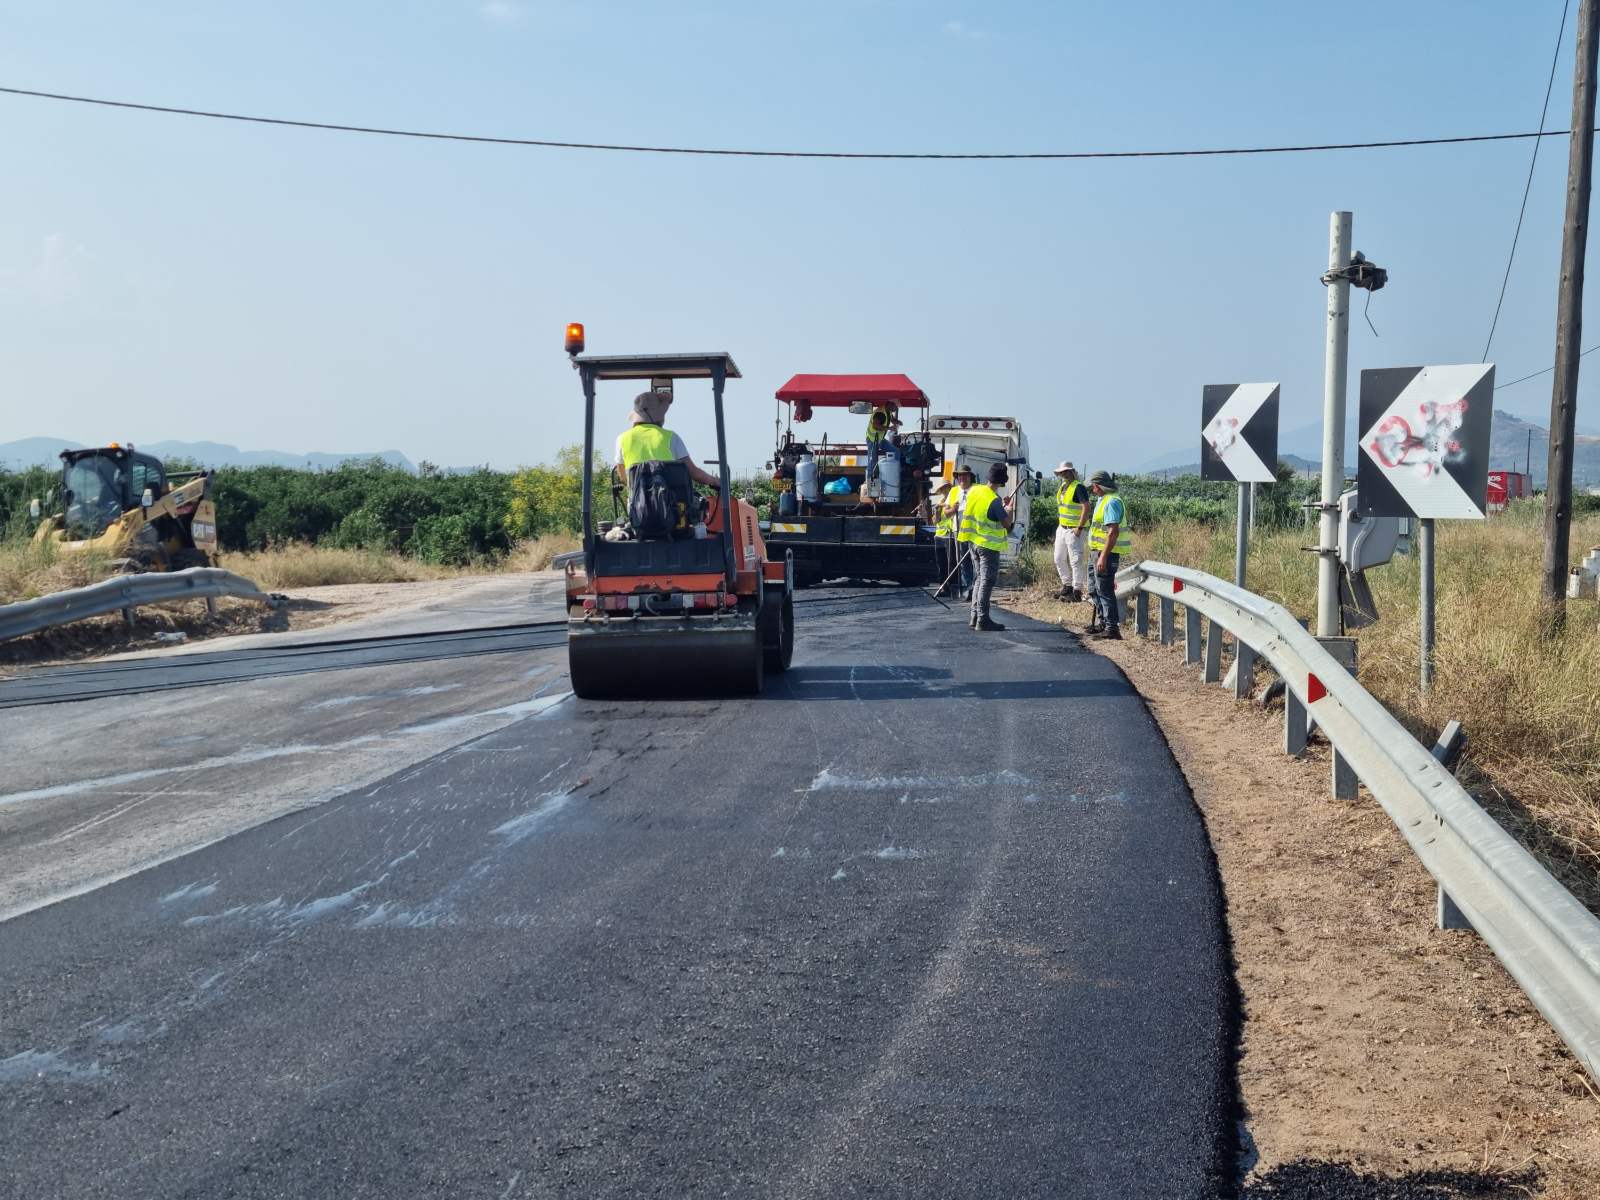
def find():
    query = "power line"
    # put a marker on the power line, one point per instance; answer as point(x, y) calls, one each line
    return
point(1536, 374)
point(733, 153)
point(1528, 186)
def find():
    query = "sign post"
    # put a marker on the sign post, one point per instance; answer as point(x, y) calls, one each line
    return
point(1425, 454)
point(1239, 444)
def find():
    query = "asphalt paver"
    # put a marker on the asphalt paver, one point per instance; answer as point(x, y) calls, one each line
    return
point(934, 916)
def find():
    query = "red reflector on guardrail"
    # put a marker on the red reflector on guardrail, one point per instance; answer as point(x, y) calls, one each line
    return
point(1177, 586)
point(1315, 689)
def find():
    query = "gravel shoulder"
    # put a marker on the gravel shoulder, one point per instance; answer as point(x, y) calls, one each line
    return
point(1381, 1056)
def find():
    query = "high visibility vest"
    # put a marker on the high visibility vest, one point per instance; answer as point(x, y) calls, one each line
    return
point(646, 443)
point(953, 507)
point(875, 432)
point(1097, 528)
point(946, 526)
point(1070, 503)
point(976, 527)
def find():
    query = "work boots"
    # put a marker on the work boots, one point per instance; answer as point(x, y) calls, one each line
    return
point(985, 625)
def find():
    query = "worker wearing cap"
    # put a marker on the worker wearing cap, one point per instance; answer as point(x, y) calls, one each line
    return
point(985, 522)
point(944, 537)
point(646, 440)
point(1109, 540)
point(1072, 527)
point(958, 494)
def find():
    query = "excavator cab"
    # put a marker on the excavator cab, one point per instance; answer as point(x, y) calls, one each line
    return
point(696, 609)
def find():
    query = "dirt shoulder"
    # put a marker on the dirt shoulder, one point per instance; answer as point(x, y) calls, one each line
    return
point(1381, 1056)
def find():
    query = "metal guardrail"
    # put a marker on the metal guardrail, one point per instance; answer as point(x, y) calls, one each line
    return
point(1546, 939)
point(124, 592)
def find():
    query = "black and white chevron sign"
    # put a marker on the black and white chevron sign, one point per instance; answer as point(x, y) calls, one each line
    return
point(1239, 432)
point(1424, 448)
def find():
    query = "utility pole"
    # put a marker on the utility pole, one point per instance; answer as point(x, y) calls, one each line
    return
point(1569, 327)
point(1335, 377)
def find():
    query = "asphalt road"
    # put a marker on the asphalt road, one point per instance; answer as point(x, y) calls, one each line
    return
point(934, 917)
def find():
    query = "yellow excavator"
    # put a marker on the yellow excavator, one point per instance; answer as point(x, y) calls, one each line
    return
point(124, 506)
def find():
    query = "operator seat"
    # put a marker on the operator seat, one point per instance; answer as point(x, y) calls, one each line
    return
point(661, 501)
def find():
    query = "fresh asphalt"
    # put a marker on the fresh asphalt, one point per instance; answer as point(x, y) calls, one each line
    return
point(935, 916)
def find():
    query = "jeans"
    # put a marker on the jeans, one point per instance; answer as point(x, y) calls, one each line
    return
point(945, 548)
point(986, 570)
point(965, 549)
point(1105, 592)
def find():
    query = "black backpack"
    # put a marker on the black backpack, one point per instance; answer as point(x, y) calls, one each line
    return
point(659, 498)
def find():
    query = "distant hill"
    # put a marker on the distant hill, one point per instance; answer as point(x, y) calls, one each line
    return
point(1509, 441)
point(43, 451)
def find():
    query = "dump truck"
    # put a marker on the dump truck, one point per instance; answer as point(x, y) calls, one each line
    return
point(691, 604)
point(841, 510)
point(126, 507)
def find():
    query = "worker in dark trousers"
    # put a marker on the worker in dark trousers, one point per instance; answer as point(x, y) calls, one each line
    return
point(958, 495)
point(985, 522)
point(944, 538)
point(1109, 540)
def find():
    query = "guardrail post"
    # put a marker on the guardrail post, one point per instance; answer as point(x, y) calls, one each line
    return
point(1166, 620)
point(1450, 917)
point(1345, 783)
point(1141, 613)
point(1212, 672)
point(127, 616)
point(1244, 670)
point(1191, 635)
point(1294, 724)
point(211, 606)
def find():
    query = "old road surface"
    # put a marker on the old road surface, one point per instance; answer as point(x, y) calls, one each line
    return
point(934, 917)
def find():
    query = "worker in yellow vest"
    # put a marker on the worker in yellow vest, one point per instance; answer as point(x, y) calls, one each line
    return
point(647, 440)
point(944, 537)
point(985, 523)
point(1073, 505)
point(958, 494)
point(1109, 540)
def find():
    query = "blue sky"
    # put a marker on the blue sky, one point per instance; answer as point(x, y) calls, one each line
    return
point(165, 277)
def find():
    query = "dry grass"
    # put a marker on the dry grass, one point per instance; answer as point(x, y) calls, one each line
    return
point(535, 553)
point(283, 568)
point(28, 570)
point(1530, 704)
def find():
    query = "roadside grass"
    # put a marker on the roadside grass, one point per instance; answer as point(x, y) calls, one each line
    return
point(298, 565)
point(1530, 704)
point(29, 569)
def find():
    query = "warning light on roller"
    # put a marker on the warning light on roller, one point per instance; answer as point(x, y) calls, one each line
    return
point(575, 338)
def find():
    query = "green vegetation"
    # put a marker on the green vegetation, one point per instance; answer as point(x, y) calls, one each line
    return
point(1153, 500)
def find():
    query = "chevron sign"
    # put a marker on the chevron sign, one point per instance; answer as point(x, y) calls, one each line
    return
point(1239, 432)
point(1425, 441)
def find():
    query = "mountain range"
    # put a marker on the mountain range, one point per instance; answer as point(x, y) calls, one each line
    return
point(43, 451)
point(1511, 437)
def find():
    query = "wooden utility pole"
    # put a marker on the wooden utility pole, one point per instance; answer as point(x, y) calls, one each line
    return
point(1569, 326)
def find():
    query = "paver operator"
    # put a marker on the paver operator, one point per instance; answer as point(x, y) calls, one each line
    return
point(1109, 540)
point(985, 521)
point(1072, 527)
point(647, 441)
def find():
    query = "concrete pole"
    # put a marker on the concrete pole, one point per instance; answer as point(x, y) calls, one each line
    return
point(1335, 375)
point(1241, 534)
point(1425, 562)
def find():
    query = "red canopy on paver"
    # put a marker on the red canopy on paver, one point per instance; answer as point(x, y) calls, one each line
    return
point(840, 391)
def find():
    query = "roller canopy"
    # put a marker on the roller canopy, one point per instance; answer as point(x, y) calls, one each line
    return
point(657, 366)
point(840, 391)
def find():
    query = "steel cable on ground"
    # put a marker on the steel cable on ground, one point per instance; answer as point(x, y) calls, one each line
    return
point(1528, 185)
point(554, 144)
